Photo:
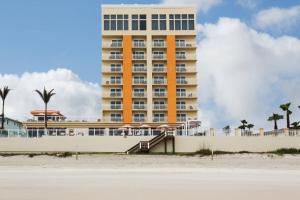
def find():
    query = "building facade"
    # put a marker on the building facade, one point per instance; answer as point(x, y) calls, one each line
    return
point(148, 64)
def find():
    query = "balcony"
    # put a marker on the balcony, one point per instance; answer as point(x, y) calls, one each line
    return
point(139, 69)
point(159, 119)
point(138, 57)
point(139, 82)
point(159, 69)
point(158, 57)
point(159, 94)
point(115, 94)
point(184, 44)
point(139, 119)
point(116, 119)
point(158, 44)
point(115, 57)
point(113, 82)
point(138, 44)
point(180, 57)
point(116, 44)
point(159, 82)
point(181, 119)
point(139, 106)
point(186, 82)
point(112, 107)
point(138, 94)
point(159, 106)
point(186, 107)
point(181, 69)
point(185, 95)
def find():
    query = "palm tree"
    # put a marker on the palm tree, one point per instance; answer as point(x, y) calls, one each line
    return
point(295, 124)
point(46, 96)
point(3, 94)
point(249, 126)
point(226, 130)
point(285, 107)
point(275, 117)
point(244, 124)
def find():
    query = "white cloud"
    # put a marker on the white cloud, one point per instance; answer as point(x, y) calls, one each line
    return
point(278, 18)
point(245, 74)
point(247, 3)
point(201, 5)
point(74, 97)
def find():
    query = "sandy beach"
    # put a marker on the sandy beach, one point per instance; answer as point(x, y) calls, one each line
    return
point(243, 176)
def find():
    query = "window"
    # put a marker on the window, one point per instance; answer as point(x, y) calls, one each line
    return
point(139, 22)
point(115, 117)
point(139, 67)
point(159, 22)
point(115, 67)
point(181, 22)
point(139, 80)
point(115, 105)
point(115, 92)
point(181, 117)
point(180, 68)
point(138, 92)
point(96, 131)
point(180, 105)
point(159, 80)
point(159, 67)
point(115, 22)
point(159, 117)
point(139, 117)
point(159, 105)
point(115, 80)
point(159, 92)
point(181, 92)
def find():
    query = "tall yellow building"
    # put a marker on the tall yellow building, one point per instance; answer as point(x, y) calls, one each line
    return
point(148, 64)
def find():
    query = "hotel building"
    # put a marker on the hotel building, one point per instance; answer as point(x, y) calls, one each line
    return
point(148, 64)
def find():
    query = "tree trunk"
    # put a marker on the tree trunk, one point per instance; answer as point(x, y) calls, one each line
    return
point(46, 117)
point(2, 121)
point(275, 125)
point(287, 119)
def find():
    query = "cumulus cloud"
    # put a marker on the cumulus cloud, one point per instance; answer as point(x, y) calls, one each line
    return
point(278, 18)
point(245, 74)
point(201, 5)
point(247, 3)
point(74, 97)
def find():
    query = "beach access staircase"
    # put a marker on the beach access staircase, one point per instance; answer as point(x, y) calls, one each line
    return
point(146, 146)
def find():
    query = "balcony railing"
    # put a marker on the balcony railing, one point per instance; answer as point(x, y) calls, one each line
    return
point(139, 82)
point(159, 94)
point(138, 57)
point(116, 69)
point(115, 107)
point(181, 119)
point(185, 107)
point(159, 69)
point(116, 44)
point(180, 57)
point(159, 44)
point(181, 69)
point(139, 119)
point(159, 119)
point(115, 57)
point(139, 44)
point(115, 94)
point(138, 94)
point(159, 82)
point(139, 106)
point(181, 94)
point(116, 119)
point(158, 57)
point(116, 82)
point(139, 69)
point(159, 107)
point(181, 82)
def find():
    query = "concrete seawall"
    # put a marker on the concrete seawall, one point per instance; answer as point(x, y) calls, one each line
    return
point(121, 144)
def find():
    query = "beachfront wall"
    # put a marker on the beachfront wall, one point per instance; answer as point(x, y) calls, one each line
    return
point(120, 144)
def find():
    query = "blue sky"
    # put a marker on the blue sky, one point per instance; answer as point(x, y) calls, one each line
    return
point(38, 35)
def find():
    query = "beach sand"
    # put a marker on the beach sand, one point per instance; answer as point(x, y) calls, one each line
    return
point(145, 177)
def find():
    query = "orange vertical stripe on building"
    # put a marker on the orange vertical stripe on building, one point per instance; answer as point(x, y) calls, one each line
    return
point(171, 76)
point(127, 79)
